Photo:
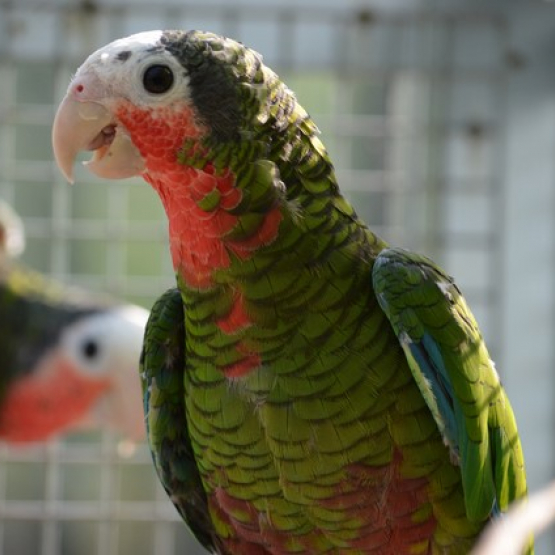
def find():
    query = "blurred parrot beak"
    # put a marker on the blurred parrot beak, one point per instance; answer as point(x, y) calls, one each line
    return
point(88, 125)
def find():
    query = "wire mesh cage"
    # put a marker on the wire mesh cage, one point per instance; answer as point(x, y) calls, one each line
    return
point(411, 105)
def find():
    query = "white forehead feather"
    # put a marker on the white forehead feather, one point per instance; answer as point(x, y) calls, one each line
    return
point(138, 45)
point(122, 76)
point(132, 42)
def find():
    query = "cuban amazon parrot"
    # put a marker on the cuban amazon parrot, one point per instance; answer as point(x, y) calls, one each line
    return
point(307, 388)
point(69, 358)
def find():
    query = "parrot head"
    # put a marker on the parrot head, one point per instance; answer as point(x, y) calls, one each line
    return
point(102, 350)
point(87, 379)
point(196, 115)
point(136, 101)
point(69, 357)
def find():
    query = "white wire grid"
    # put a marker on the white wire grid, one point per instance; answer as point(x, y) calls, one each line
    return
point(412, 116)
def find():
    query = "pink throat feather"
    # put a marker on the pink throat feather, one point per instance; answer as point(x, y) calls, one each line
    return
point(198, 241)
point(199, 235)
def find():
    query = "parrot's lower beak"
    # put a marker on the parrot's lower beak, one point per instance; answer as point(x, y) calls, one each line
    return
point(89, 125)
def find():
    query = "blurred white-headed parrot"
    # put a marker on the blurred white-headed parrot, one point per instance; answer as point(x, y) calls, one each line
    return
point(307, 388)
point(68, 358)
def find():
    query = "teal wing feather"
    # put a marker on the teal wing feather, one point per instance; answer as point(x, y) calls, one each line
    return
point(451, 365)
point(162, 368)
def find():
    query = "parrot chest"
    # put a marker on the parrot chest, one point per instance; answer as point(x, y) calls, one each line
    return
point(308, 427)
point(310, 434)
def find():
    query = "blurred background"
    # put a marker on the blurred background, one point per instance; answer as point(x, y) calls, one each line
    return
point(440, 119)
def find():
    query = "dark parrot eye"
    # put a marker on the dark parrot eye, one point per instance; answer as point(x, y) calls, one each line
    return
point(90, 348)
point(158, 79)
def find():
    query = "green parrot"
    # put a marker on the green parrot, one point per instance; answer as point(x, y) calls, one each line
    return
point(307, 388)
point(68, 357)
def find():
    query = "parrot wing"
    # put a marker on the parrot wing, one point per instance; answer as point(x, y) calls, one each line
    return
point(451, 365)
point(162, 367)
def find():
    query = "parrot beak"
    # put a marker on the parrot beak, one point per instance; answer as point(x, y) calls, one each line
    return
point(88, 125)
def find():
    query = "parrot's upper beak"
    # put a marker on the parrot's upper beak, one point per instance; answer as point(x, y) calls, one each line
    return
point(89, 125)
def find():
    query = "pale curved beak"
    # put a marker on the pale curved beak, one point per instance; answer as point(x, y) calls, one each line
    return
point(88, 125)
point(76, 125)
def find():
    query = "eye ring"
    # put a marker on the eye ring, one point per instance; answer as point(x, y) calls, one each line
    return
point(158, 79)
